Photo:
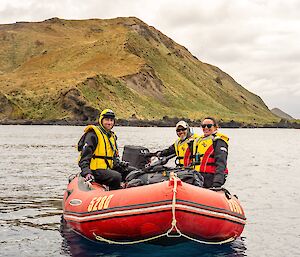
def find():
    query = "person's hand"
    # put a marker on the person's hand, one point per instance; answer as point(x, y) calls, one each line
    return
point(158, 153)
point(89, 178)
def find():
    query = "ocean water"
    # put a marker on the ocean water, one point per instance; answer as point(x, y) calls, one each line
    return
point(35, 162)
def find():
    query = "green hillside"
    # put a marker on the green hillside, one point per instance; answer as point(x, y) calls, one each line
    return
point(68, 69)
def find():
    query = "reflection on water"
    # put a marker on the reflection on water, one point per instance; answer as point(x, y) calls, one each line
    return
point(75, 245)
point(30, 212)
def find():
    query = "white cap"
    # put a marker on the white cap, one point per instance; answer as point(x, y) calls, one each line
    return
point(182, 123)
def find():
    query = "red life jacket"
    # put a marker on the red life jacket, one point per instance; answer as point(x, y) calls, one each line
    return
point(203, 153)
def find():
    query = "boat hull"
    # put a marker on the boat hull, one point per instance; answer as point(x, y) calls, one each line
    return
point(152, 212)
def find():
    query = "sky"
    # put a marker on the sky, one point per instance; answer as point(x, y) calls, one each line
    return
point(257, 42)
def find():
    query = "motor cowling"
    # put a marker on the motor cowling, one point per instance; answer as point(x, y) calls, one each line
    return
point(137, 156)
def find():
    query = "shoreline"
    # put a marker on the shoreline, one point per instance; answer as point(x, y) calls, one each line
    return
point(151, 123)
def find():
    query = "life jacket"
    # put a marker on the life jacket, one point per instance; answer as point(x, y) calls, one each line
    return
point(182, 150)
point(106, 150)
point(203, 153)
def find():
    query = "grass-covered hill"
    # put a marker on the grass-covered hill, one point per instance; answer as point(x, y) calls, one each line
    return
point(71, 69)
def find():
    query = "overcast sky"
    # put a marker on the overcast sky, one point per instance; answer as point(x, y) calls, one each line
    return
point(257, 42)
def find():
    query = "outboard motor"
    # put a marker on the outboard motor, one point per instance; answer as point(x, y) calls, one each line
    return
point(137, 156)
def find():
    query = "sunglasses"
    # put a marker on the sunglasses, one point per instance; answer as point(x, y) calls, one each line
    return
point(207, 125)
point(181, 129)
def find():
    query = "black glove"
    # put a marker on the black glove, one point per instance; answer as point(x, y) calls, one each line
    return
point(89, 178)
point(124, 164)
point(120, 164)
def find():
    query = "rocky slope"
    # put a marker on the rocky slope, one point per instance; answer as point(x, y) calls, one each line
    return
point(281, 114)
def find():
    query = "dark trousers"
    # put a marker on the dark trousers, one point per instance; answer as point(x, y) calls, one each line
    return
point(108, 177)
point(210, 177)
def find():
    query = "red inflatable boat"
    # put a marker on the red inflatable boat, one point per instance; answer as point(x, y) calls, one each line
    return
point(160, 212)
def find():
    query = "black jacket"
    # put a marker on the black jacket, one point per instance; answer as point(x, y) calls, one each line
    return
point(220, 155)
point(90, 142)
point(168, 151)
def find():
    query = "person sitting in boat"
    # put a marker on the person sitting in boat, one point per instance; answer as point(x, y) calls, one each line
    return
point(182, 147)
point(99, 159)
point(210, 153)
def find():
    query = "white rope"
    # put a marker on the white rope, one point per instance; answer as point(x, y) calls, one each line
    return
point(174, 221)
point(99, 238)
point(174, 177)
point(210, 243)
